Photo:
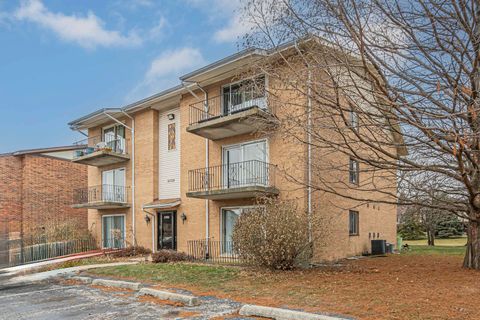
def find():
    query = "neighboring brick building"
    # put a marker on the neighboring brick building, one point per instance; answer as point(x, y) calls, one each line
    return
point(183, 164)
point(36, 188)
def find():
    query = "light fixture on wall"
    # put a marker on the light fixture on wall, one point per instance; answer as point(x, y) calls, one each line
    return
point(183, 217)
point(147, 219)
point(170, 116)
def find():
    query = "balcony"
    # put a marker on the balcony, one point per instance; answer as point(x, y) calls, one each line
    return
point(228, 115)
point(103, 196)
point(248, 179)
point(102, 151)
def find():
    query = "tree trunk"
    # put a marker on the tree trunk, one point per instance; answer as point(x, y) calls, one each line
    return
point(472, 255)
point(431, 237)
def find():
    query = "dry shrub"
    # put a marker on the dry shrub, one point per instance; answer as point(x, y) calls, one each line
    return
point(132, 252)
point(273, 235)
point(164, 256)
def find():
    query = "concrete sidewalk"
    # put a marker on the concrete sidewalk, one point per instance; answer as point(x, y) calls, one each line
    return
point(11, 271)
point(18, 280)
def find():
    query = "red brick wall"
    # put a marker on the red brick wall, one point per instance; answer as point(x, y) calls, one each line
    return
point(10, 195)
point(39, 190)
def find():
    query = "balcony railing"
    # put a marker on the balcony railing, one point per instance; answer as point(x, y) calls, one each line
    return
point(252, 173)
point(101, 143)
point(224, 105)
point(104, 193)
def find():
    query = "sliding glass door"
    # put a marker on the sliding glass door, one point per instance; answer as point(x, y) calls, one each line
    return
point(114, 138)
point(242, 95)
point(113, 185)
point(245, 164)
point(113, 231)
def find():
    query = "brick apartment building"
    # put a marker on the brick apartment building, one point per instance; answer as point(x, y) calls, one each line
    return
point(36, 189)
point(183, 164)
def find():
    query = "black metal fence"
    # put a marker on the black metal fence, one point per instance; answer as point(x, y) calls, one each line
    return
point(213, 251)
point(16, 252)
point(111, 143)
point(232, 175)
point(225, 104)
point(101, 193)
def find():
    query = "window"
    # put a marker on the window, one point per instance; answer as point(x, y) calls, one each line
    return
point(354, 120)
point(245, 94)
point(171, 137)
point(353, 170)
point(353, 223)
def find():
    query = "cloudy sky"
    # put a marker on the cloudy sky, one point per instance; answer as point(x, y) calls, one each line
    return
point(61, 59)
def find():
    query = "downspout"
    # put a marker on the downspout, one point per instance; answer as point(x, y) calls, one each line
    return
point(207, 161)
point(309, 146)
point(132, 130)
point(309, 155)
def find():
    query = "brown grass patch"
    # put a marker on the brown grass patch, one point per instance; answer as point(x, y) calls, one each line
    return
point(151, 299)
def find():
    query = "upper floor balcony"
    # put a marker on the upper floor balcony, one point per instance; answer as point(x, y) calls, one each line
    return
point(229, 114)
point(247, 179)
point(104, 196)
point(102, 150)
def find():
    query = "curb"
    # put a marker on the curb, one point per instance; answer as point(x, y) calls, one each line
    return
point(282, 314)
point(117, 284)
point(165, 295)
point(86, 280)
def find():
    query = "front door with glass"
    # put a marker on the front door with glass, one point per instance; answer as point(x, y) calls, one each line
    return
point(167, 230)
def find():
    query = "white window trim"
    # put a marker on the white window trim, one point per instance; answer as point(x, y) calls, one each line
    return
point(124, 225)
point(267, 148)
point(119, 168)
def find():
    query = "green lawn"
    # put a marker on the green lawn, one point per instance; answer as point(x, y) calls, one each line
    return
point(442, 250)
point(202, 275)
point(455, 246)
point(439, 242)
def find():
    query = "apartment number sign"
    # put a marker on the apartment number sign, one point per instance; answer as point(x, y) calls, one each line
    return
point(171, 137)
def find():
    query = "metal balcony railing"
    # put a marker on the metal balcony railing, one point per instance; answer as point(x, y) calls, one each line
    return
point(97, 143)
point(233, 175)
point(101, 193)
point(224, 105)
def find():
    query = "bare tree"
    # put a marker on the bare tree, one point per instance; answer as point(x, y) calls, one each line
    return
point(382, 76)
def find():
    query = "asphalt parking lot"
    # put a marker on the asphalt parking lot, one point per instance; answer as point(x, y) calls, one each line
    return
point(58, 300)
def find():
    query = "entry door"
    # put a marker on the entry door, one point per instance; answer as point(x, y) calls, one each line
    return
point(167, 230)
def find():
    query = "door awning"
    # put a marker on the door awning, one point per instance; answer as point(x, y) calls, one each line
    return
point(163, 204)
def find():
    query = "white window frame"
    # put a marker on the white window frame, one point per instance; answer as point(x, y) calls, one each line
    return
point(229, 146)
point(124, 226)
point(115, 185)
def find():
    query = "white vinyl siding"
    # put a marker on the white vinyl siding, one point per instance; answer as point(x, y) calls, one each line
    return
point(169, 160)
